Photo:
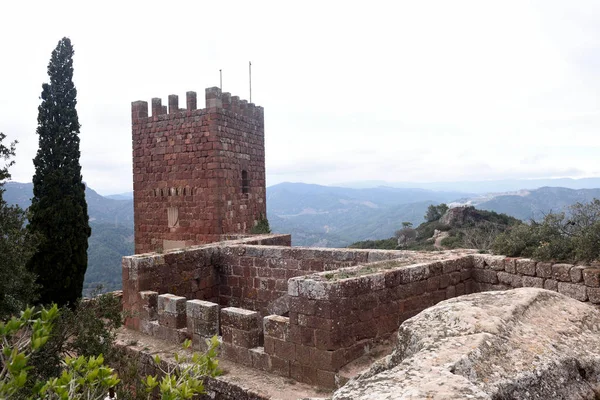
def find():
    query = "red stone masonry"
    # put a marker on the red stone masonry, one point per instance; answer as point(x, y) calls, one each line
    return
point(308, 312)
point(189, 167)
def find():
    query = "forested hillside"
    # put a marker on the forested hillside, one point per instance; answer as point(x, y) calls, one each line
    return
point(112, 234)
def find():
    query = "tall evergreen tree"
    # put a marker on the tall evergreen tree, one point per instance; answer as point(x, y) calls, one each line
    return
point(58, 212)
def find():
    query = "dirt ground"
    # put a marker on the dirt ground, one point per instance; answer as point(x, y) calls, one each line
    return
point(263, 383)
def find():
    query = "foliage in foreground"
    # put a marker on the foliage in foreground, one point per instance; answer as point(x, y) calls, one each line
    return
point(568, 236)
point(87, 377)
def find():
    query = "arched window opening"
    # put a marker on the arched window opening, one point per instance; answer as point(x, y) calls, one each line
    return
point(245, 182)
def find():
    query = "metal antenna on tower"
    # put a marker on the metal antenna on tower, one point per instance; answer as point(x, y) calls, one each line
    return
point(250, 78)
point(221, 79)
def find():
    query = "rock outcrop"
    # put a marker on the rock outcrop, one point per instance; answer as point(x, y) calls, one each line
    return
point(518, 344)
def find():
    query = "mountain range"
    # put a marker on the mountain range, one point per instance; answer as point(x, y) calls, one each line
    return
point(315, 215)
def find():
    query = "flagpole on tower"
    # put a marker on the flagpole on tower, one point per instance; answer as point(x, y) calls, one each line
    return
point(250, 78)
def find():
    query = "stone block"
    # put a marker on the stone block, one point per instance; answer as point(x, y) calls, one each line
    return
point(285, 350)
point(533, 281)
point(496, 263)
point(561, 272)
point(510, 265)
point(578, 292)
point(245, 339)
point(280, 366)
point(514, 281)
point(455, 277)
point(202, 317)
point(485, 276)
point(479, 261)
point(543, 270)
point(591, 277)
point(576, 274)
point(444, 281)
point(171, 311)
point(240, 318)
point(260, 360)
point(149, 304)
point(169, 303)
point(277, 327)
point(551, 284)
point(594, 295)
point(433, 283)
point(525, 266)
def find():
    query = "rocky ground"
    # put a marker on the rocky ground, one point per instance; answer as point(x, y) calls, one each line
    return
point(518, 344)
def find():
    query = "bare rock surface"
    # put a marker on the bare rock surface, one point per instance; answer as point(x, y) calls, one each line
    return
point(525, 343)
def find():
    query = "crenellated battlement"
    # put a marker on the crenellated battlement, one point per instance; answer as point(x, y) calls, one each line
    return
point(214, 99)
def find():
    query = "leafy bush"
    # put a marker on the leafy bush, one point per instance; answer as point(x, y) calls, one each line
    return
point(262, 226)
point(86, 377)
point(17, 284)
point(572, 236)
point(435, 212)
point(452, 242)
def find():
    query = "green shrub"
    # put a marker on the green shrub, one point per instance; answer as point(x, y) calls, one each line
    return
point(86, 377)
point(262, 226)
point(572, 236)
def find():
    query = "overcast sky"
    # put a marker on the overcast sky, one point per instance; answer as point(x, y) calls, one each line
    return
point(369, 90)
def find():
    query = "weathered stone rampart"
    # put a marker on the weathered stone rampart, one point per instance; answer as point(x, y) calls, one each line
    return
point(304, 313)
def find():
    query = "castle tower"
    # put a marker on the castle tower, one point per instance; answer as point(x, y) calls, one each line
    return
point(197, 173)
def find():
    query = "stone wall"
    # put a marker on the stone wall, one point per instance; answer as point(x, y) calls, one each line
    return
point(282, 328)
point(256, 277)
point(188, 167)
point(304, 313)
point(192, 273)
point(500, 273)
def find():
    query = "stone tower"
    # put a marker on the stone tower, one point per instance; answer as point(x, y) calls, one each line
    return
point(197, 173)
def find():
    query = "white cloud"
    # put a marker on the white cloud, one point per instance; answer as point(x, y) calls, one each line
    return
point(413, 91)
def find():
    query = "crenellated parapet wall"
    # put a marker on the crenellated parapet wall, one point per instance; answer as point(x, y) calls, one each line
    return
point(304, 313)
point(215, 100)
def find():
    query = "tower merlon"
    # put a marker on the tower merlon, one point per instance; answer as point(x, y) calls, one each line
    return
point(191, 101)
point(173, 103)
point(213, 97)
point(156, 106)
point(139, 111)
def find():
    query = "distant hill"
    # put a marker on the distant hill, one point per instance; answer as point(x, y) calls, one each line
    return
point(502, 185)
point(534, 204)
point(459, 227)
point(120, 196)
point(100, 208)
point(335, 217)
point(112, 233)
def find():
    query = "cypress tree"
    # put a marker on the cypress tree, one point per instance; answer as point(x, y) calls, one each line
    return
point(58, 212)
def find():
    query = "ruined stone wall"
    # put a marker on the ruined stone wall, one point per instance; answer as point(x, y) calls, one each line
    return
point(304, 313)
point(500, 273)
point(188, 167)
point(256, 277)
point(193, 273)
